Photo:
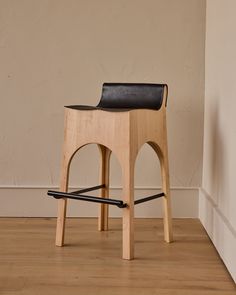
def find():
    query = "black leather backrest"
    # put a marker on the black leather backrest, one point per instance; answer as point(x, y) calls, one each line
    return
point(132, 95)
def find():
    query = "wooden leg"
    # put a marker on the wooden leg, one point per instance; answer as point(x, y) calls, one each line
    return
point(104, 179)
point(61, 218)
point(168, 235)
point(128, 212)
point(62, 204)
point(163, 157)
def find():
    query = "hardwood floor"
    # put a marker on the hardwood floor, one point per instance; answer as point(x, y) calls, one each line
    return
point(91, 263)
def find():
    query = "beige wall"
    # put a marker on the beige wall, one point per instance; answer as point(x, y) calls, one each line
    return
point(217, 198)
point(55, 53)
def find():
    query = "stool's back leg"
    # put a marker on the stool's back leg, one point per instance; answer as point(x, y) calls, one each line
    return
point(104, 179)
point(62, 204)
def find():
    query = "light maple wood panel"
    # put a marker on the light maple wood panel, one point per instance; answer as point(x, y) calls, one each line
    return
point(90, 262)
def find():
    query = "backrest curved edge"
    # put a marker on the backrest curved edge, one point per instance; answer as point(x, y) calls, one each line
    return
point(133, 95)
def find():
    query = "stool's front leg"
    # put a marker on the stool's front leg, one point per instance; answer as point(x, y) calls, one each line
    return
point(67, 153)
point(168, 234)
point(62, 204)
point(162, 153)
point(128, 212)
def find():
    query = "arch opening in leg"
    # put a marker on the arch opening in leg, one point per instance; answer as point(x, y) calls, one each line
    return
point(105, 153)
point(146, 175)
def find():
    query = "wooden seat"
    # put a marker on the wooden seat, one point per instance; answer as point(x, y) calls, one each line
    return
point(127, 116)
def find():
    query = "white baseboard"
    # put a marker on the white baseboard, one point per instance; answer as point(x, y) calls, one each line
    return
point(29, 201)
point(219, 230)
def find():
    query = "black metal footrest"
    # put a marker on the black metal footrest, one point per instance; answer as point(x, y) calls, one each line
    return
point(146, 199)
point(59, 195)
point(77, 195)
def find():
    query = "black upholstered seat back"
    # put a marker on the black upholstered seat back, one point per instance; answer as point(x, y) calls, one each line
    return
point(132, 96)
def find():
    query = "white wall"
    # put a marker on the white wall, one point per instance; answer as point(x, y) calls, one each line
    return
point(59, 52)
point(218, 194)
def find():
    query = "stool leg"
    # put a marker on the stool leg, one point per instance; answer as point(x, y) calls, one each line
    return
point(104, 179)
point(168, 235)
point(128, 212)
point(62, 204)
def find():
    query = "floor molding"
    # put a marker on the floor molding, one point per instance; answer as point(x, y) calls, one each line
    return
point(219, 230)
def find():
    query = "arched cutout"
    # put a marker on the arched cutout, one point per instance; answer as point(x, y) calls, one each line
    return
point(98, 178)
point(157, 149)
point(147, 167)
point(69, 160)
point(84, 167)
point(94, 155)
point(147, 179)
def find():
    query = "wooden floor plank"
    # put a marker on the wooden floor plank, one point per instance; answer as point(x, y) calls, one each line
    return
point(91, 263)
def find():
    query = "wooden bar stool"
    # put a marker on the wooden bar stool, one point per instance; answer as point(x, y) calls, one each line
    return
point(127, 116)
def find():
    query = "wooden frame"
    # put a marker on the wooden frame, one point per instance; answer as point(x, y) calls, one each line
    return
point(122, 133)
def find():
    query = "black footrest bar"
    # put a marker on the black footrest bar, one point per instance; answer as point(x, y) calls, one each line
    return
point(59, 195)
point(149, 198)
point(89, 189)
point(76, 195)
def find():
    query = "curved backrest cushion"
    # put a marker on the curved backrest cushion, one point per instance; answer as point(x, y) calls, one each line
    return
point(132, 95)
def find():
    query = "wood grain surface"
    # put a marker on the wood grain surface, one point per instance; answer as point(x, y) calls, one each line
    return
point(90, 262)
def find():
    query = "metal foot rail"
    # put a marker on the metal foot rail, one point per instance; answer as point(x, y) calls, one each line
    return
point(146, 199)
point(77, 195)
point(59, 195)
